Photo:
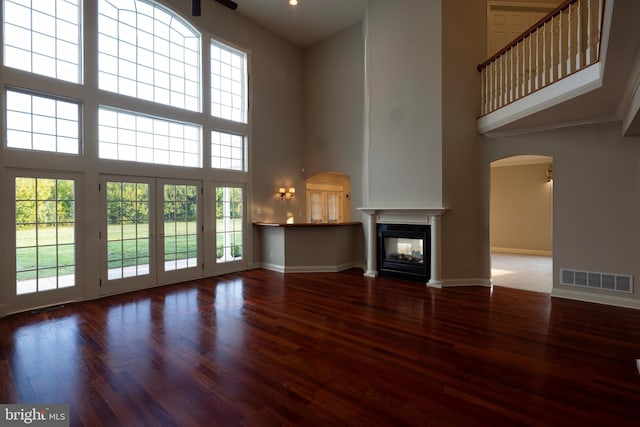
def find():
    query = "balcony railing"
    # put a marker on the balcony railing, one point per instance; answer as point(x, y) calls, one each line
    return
point(565, 41)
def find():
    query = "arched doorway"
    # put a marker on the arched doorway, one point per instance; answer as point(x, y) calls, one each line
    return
point(521, 222)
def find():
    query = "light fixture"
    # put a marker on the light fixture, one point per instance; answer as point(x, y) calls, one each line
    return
point(293, 2)
point(286, 194)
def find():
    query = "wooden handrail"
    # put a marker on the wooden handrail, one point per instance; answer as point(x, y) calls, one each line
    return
point(530, 30)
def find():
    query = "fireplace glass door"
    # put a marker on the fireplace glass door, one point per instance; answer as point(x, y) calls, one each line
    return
point(404, 250)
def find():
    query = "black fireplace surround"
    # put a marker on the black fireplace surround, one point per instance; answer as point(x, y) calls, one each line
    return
point(404, 251)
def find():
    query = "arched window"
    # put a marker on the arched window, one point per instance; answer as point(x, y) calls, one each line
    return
point(149, 53)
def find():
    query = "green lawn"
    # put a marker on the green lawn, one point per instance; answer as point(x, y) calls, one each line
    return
point(127, 245)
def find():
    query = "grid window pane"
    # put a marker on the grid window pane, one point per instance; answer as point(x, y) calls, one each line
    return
point(127, 229)
point(228, 151)
point(148, 52)
point(43, 37)
point(229, 224)
point(180, 226)
point(45, 246)
point(41, 123)
point(228, 83)
point(134, 137)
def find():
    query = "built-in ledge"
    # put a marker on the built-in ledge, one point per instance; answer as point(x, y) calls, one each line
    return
point(308, 247)
point(418, 216)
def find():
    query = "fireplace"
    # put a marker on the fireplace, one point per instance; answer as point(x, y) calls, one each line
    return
point(404, 251)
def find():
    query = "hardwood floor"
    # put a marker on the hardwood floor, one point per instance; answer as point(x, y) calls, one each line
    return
point(263, 348)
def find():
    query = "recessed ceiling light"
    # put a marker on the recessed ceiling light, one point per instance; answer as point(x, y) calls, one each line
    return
point(293, 2)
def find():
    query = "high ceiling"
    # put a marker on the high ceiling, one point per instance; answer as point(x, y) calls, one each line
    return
point(308, 22)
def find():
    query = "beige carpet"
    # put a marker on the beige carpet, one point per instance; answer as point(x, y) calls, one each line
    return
point(528, 272)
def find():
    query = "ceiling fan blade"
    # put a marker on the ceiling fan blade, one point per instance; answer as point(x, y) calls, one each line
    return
point(195, 8)
point(229, 3)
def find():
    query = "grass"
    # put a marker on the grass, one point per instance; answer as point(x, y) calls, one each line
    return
point(51, 250)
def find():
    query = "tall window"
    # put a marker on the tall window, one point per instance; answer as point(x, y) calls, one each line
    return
point(45, 234)
point(148, 52)
point(229, 224)
point(135, 137)
point(42, 123)
point(228, 82)
point(43, 37)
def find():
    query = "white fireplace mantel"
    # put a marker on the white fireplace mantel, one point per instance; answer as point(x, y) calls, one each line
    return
point(430, 216)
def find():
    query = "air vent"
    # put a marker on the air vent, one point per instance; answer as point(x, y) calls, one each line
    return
point(590, 279)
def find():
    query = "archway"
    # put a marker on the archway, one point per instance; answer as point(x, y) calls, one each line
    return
point(521, 222)
point(328, 199)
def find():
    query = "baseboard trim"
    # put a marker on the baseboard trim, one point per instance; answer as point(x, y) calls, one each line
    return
point(310, 268)
point(596, 298)
point(521, 251)
point(454, 283)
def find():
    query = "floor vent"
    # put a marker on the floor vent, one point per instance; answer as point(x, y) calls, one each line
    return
point(590, 279)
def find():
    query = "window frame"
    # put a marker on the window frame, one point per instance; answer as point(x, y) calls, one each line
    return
point(54, 98)
point(79, 42)
point(137, 117)
point(231, 49)
point(88, 168)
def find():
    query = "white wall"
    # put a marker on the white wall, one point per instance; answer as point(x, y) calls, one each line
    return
point(596, 179)
point(464, 47)
point(334, 109)
point(403, 116)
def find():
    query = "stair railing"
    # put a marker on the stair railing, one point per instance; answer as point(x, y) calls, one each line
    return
point(565, 41)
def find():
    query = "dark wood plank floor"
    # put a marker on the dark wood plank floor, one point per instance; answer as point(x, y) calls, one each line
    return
point(263, 348)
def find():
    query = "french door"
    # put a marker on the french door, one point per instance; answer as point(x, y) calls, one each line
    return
point(151, 234)
point(43, 255)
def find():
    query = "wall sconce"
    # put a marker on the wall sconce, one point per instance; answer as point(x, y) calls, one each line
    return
point(549, 174)
point(286, 195)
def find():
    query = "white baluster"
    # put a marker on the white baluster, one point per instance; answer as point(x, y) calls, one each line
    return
point(523, 90)
point(487, 94)
point(569, 55)
point(529, 66)
point(494, 97)
point(536, 82)
point(482, 102)
point(597, 36)
point(510, 73)
point(517, 72)
point(505, 70)
point(589, 53)
point(579, 36)
point(552, 52)
point(560, 50)
point(500, 81)
point(543, 79)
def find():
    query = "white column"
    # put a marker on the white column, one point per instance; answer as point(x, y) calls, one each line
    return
point(435, 280)
point(372, 269)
